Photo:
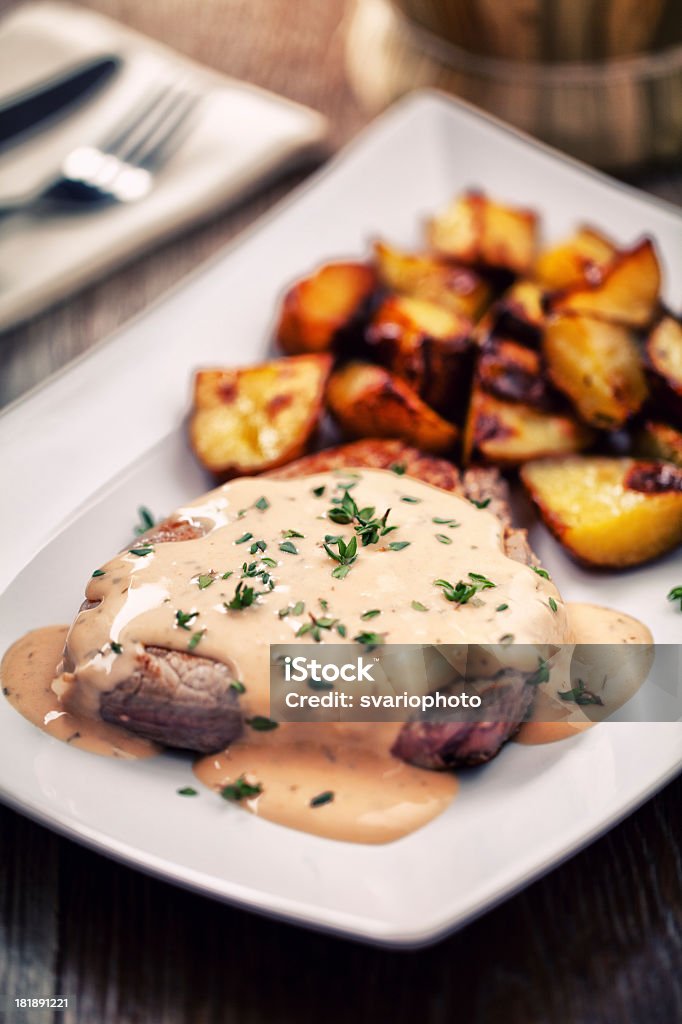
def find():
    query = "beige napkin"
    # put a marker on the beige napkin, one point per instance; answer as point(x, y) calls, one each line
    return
point(239, 135)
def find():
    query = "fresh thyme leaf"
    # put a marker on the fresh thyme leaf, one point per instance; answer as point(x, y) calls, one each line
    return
point(98, 572)
point(371, 614)
point(141, 552)
point(258, 545)
point(241, 790)
point(243, 597)
point(541, 572)
point(398, 545)
point(341, 630)
point(292, 533)
point(412, 501)
point(116, 647)
point(244, 537)
point(226, 575)
point(322, 798)
point(443, 538)
point(324, 605)
point(541, 674)
point(676, 595)
point(347, 552)
point(288, 548)
point(461, 592)
point(237, 686)
point(398, 468)
point(552, 604)
point(270, 562)
point(195, 639)
point(369, 640)
point(419, 607)
point(319, 491)
point(187, 791)
point(340, 572)
point(183, 619)
point(579, 695)
point(146, 520)
point(441, 521)
point(501, 607)
point(507, 639)
point(480, 504)
point(262, 504)
point(205, 580)
point(261, 724)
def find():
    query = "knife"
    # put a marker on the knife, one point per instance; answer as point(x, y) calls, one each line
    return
point(23, 113)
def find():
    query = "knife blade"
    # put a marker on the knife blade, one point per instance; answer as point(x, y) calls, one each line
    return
point(24, 113)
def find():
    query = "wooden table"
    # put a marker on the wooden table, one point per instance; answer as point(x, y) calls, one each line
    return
point(598, 940)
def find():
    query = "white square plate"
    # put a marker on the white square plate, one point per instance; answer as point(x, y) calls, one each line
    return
point(80, 453)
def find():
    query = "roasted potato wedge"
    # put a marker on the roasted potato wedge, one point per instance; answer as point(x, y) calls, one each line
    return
point(627, 293)
point(514, 373)
point(509, 433)
point(581, 259)
point(249, 420)
point(664, 360)
point(318, 309)
point(659, 441)
point(598, 365)
point(474, 229)
point(425, 276)
point(368, 401)
point(608, 512)
point(427, 346)
point(518, 314)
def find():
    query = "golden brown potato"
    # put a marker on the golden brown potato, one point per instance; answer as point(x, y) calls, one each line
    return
point(664, 360)
point(659, 441)
point(318, 308)
point(428, 347)
point(598, 365)
point(627, 293)
point(509, 433)
point(425, 276)
point(476, 230)
point(581, 259)
point(368, 401)
point(513, 372)
point(518, 314)
point(249, 420)
point(608, 512)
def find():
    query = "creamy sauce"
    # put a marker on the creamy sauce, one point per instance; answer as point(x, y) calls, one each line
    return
point(376, 797)
point(613, 679)
point(28, 673)
point(176, 595)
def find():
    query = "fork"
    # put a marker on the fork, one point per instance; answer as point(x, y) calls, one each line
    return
point(122, 166)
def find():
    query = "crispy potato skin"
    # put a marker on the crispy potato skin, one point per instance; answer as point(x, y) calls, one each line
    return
point(246, 421)
point(476, 230)
point(664, 366)
point(507, 433)
point(660, 442)
point(426, 276)
point(597, 364)
point(428, 347)
point(581, 259)
point(609, 513)
point(512, 372)
point(318, 308)
point(627, 292)
point(368, 401)
point(519, 314)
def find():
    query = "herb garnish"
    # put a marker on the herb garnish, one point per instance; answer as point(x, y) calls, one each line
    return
point(146, 520)
point(676, 595)
point(461, 592)
point(98, 572)
point(398, 468)
point(288, 548)
point(541, 572)
point(294, 609)
point(262, 504)
point(507, 639)
point(237, 686)
point(412, 501)
point(369, 640)
point(183, 619)
point(419, 607)
point(241, 790)
point(261, 724)
point(141, 552)
point(205, 580)
point(398, 545)
point(480, 504)
point(243, 597)
point(541, 674)
point(244, 537)
point(579, 695)
point(552, 604)
point(367, 526)
point(187, 791)
point(443, 538)
point(501, 607)
point(116, 647)
point(345, 556)
point(292, 533)
point(440, 521)
point(195, 639)
point(258, 545)
point(319, 491)
point(322, 798)
point(315, 626)
point(371, 614)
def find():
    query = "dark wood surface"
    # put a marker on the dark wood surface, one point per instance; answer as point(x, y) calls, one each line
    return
point(597, 940)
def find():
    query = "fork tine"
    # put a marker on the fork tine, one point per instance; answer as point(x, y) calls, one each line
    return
point(130, 123)
point(167, 132)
